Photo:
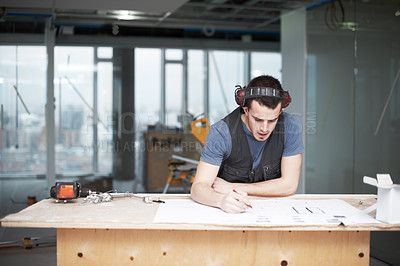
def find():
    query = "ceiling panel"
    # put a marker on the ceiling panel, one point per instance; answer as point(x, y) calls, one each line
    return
point(213, 14)
point(178, 18)
point(137, 5)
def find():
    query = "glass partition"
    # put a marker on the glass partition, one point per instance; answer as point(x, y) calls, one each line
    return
point(104, 126)
point(330, 86)
point(147, 86)
point(74, 118)
point(83, 95)
point(173, 95)
point(377, 93)
point(196, 82)
point(353, 103)
point(23, 71)
point(226, 70)
point(266, 63)
point(147, 100)
point(352, 67)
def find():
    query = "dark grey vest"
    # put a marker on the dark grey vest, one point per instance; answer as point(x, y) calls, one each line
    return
point(237, 167)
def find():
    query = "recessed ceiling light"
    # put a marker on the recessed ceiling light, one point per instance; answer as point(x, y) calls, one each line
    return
point(124, 14)
point(397, 13)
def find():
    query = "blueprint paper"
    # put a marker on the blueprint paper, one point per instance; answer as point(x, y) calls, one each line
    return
point(265, 212)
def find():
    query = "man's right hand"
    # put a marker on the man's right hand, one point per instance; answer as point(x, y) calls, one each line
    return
point(235, 202)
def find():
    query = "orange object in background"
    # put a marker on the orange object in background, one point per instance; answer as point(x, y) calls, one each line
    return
point(68, 190)
point(200, 128)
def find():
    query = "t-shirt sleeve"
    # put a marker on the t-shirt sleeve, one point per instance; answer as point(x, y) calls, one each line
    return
point(218, 144)
point(293, 136)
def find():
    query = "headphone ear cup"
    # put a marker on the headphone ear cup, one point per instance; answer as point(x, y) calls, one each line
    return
point(287, 99)
point(239, 95)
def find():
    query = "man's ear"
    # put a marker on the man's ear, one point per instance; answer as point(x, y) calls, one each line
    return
point(246, 110)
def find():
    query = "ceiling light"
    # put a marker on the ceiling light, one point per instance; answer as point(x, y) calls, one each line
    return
point(397, 13)
point(125, 15)
point(123, 12)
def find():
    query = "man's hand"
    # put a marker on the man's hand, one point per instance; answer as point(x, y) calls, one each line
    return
point(210, 190)
point(222, 186)
point(235, 202)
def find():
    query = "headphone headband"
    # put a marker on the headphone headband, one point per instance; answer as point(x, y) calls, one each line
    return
point(255, 92)
point(243, 93)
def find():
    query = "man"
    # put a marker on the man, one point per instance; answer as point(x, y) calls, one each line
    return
point(255, 150)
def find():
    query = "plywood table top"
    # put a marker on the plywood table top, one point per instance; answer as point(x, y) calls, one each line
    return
point(134, 213)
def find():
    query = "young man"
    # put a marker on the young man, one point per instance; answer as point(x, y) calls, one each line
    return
point(255, 150)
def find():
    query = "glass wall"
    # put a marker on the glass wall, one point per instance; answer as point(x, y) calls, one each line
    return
point(377, 85)
point(23, 72)
point(264, 63)
point(226, 70)
point(351, 72)
point(197, 78)
point(104, 145)
point(83, 96)
point(174, 91)
point(74, 98)
point(330, 86)
point(353, 103)
point(147, 86)
point(147, 99)
point(83, 121)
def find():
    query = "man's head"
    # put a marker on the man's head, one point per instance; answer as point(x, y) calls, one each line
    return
point(265, 82)
point(262, 113)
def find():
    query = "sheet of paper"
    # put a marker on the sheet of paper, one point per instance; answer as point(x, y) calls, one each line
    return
point(265, 212)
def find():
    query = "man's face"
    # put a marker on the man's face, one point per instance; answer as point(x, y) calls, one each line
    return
point(261, 120)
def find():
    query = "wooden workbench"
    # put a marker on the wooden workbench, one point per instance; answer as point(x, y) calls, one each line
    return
point(123, 232)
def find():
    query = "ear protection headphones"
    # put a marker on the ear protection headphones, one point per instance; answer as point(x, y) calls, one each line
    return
point(243, 93)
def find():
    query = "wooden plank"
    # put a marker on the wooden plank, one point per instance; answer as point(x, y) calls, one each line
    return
point(180, 247)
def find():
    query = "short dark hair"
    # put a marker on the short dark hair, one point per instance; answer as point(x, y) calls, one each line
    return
point(265, 81)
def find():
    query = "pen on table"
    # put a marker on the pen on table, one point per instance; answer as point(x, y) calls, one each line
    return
point(239, 194)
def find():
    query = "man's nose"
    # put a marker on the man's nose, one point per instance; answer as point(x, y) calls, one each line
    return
point(264, 126)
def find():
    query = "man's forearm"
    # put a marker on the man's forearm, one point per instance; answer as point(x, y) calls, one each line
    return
point(271, 188)
point(206, 195)
point(286, 185)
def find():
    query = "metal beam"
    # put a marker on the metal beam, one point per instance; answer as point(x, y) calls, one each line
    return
point(50, 123)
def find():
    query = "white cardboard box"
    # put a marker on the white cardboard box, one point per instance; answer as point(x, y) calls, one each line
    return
point(388, 206)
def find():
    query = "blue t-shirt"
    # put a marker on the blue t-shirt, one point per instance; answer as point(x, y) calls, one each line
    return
point(218, 144)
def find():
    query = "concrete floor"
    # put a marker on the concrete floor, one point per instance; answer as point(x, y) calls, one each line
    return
point(38, 256)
